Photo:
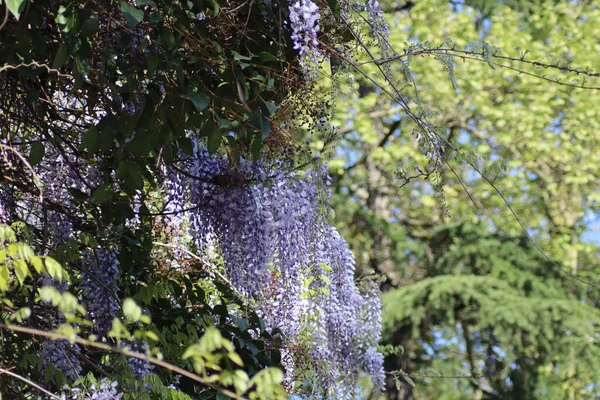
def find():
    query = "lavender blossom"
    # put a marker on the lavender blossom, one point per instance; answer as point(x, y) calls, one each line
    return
point(63, 355)
point(271, 227)
point(5, 217)
point(100, 288)
point(304, 17)
point(3, 213)
point(106, 391)
point(370, 334)
point(379, 27)
point(138, 367)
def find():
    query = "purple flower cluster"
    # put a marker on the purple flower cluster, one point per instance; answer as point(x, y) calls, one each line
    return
point(4, 208)
point(61, 229)
point(370, 332)
point(304, 17)
point(304, 20)
point(379, 27)
point(64, 356)
point(139, 368)
point(270, 225)
point(106, 390)
point(3, 211)
point(99, 281)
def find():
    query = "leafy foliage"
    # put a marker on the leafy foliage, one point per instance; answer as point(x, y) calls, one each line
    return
point(108, 102)
point(494, 302)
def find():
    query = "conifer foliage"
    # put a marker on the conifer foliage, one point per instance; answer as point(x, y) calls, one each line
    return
point(496, 302)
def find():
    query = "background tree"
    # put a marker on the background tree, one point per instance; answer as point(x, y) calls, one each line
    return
point(497, 319)
point(532, 138)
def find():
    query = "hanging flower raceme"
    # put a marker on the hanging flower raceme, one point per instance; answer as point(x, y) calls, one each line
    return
point(270, 225)
point(304, 20)
point(101, 269)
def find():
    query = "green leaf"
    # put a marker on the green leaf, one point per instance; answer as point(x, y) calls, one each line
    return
point(37, 264)
point(21, 270)
point(102, 194)
point(200, 100)
point(239, 57)
point(82, 65)
point(133, 16)
point(131, 174)
point(185, 144)
point(214, 141)
point(152, 62)
point(15, 7)
point(21, 314)
point(240, 322)
point(137, 179)
point(334, 5)
point(131, 310)
point(236, 359)
point(36, 153)
point(271, 107)
point(268, 57)
point(89, 141)
point(54, 269)
point(89, 27)
point(49, 294)
point(119, 330)
point(61, 56)
point(4, 278)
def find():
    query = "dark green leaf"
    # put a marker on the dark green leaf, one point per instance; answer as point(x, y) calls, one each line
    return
point(37, 153)
point(334, 5)
point(32, 95)
point(266, 128)
point(214, 141)
point(200, 100)
point(133, 16)
point(239, 57)
point(185, 144)
point(169, 39)
point(61, 56)
point(271, 107)
point(131, 174)
point(89, 27)
point(169, 153)
point(89, 140)
point(82, 65)
point(152, 63)
point(257, 146)
point(268, 57)
point(102, 194)
point(136, 178)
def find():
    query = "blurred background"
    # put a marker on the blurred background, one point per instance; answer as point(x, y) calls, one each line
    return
point(473, 309)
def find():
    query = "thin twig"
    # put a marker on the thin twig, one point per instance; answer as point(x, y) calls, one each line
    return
point(472, 55)
point(30, 383)
point(125, 352)
point(36, 179)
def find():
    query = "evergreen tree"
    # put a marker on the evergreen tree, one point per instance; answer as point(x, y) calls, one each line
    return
point(493, 319)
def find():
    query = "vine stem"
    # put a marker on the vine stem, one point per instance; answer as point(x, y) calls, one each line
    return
point(36, 179)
